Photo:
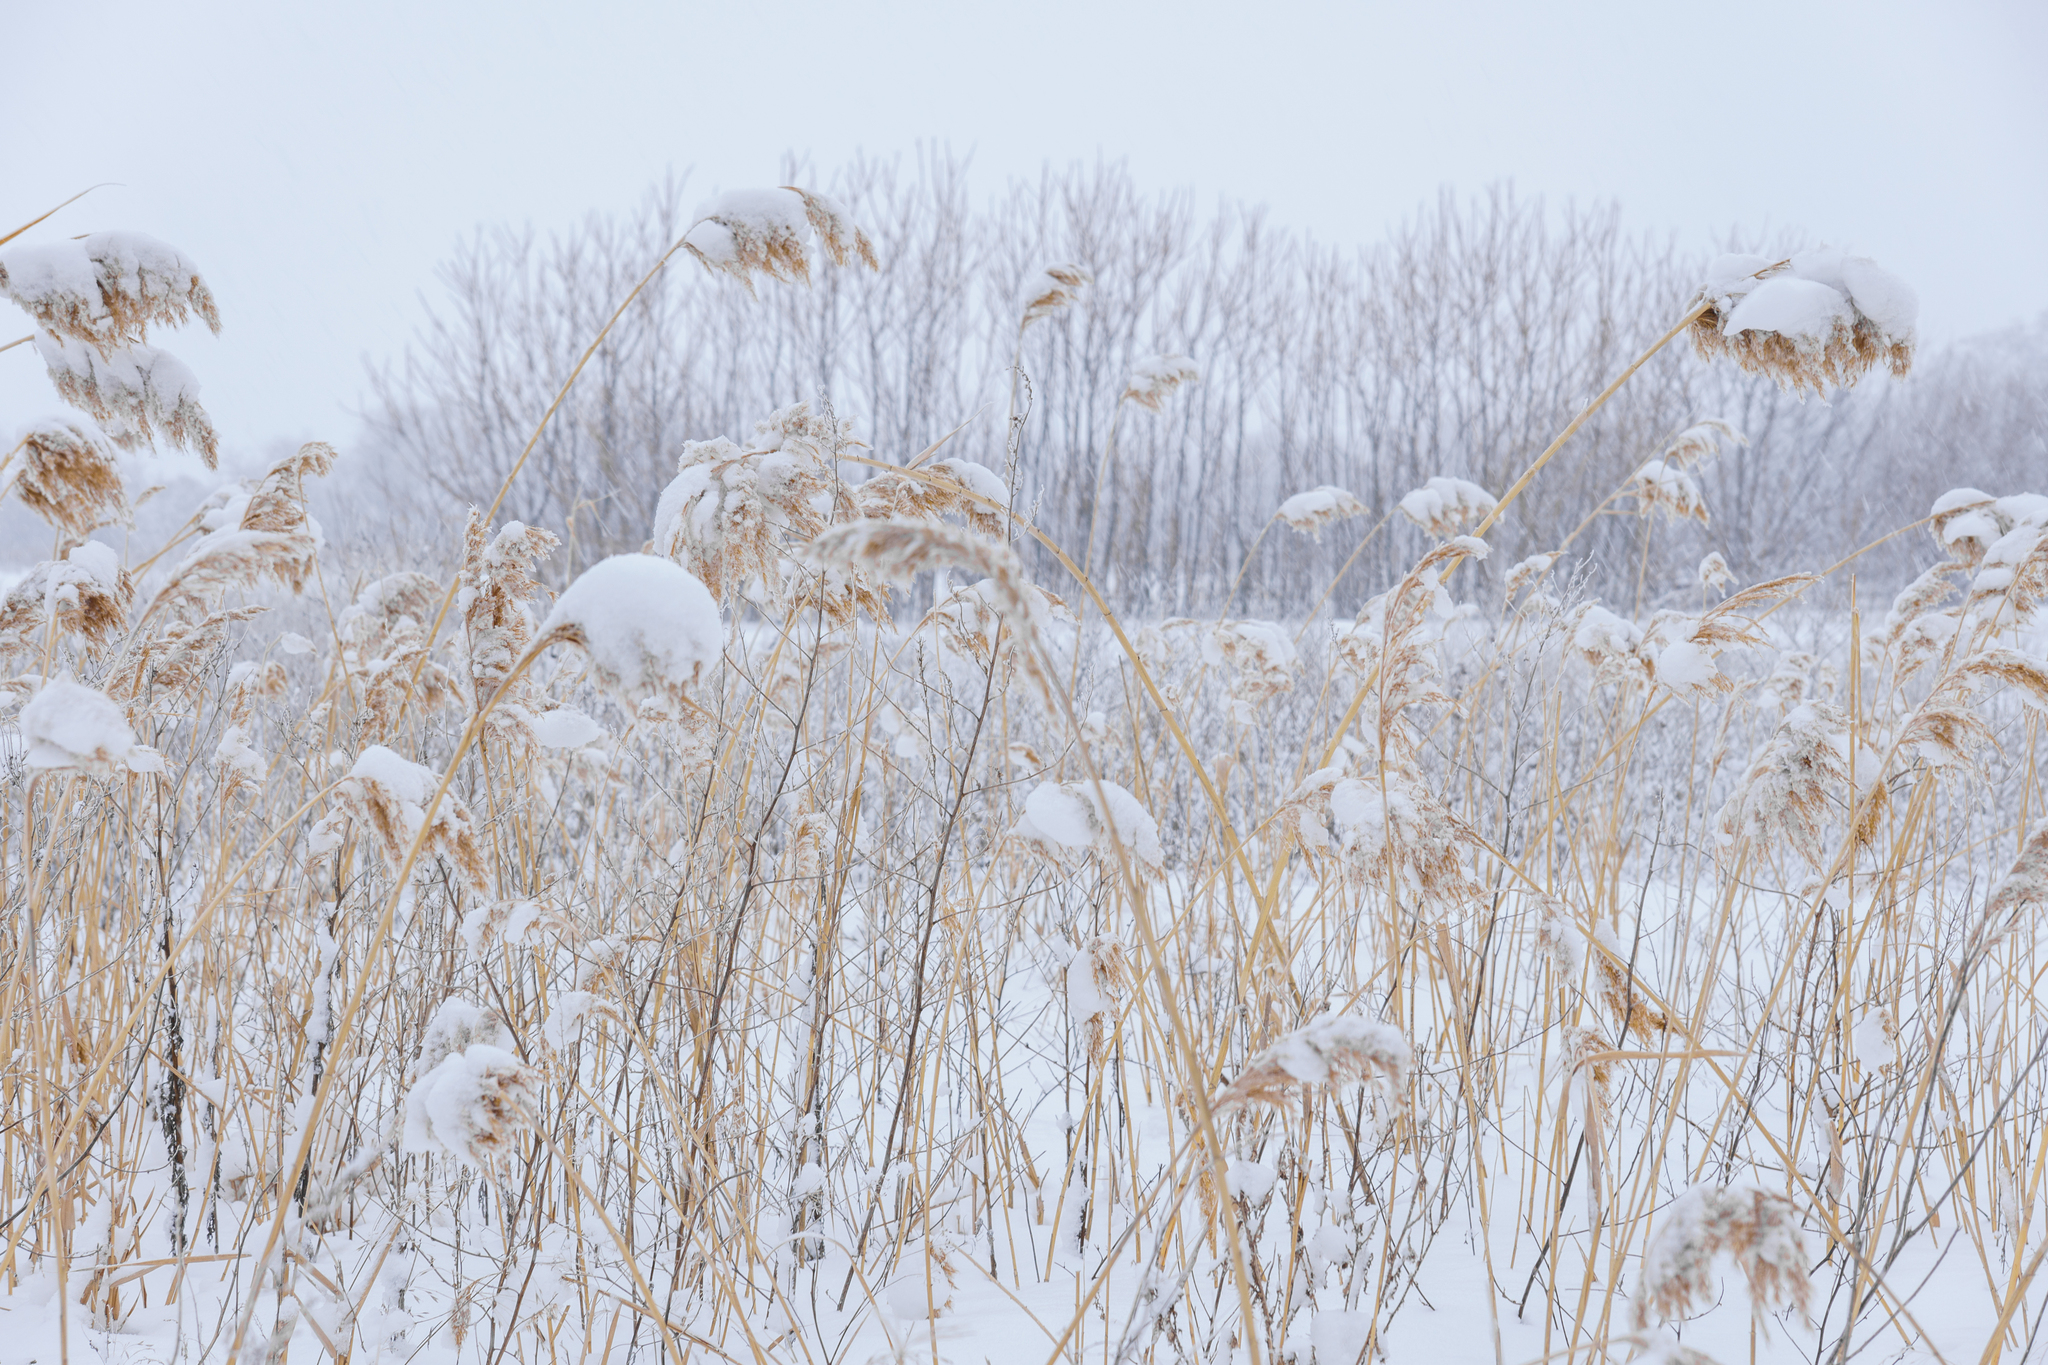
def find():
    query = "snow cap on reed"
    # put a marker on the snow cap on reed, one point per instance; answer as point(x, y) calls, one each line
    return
point(649, 629)
point(1054, 291)
point(743, 233)
point(1446, 507)
point(1758, 1229)
point(473, 1106)
point(106, 288)
point(1308, 513)
point(1337, 1049)
point(68, 725)
point(1154, 379)
point(1818, 319)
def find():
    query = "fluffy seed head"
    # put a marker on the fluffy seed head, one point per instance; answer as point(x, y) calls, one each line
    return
point(1338, 1049)
point(1662, 486)
point(1700, 440)
point(136, 392)
point(1153, 380)
point(106, 289)
point(1757, 1228)
point(1446, 507)
point(1055, 291)
point(68, 475)
point(1817, 320)
point(1310, 512)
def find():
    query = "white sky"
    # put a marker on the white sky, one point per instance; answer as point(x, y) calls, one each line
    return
point(318, 161)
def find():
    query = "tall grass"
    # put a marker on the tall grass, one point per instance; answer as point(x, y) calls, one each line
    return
point(1017, 981)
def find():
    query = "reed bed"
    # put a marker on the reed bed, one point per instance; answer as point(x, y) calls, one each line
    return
point(715, 960)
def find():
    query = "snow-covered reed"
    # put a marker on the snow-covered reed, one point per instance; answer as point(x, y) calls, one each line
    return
point(715, 956)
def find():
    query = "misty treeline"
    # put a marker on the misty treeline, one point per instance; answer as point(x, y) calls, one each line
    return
point(1460, 344)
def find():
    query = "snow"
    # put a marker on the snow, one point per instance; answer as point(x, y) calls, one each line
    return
point(1881, 296)
point(291, 642)
point(1732, 274)
point(1600, 631)
point(1957, 497)
point(650, 628)
point(1251, 1181)
point(69, 725)
point(565, 727)
point(1060, 813)
point(467, 1104)
point(1811, 296)
point(406, 781)
point(763, 210)
point(1443, 506)
point(1685, 666)
point(1791, 307)
point(977, 479)
point(1318, 507)
point(1871, 1042)
point(2023, 509)
point(1339, 1336)
point(1070, 813)
point(2004, 556)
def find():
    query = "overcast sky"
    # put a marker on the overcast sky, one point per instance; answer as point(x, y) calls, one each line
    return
point(318, 161)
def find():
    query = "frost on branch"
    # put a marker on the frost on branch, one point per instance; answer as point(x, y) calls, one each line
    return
point(1758, 1229)
point(650, 630)
point(1310, 512)
point(69, 725)
point(1446, 507)
point(1820, 318)
point(473, 1105)
point(106, 289)
point(1338, 1049)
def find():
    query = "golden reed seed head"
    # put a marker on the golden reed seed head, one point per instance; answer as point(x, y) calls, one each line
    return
point(767, 232)
point(1153, 381)
point(136, 392)
point(1055, 291)
point(1700, 440)
point(106, 289)
point(1339, 1049)
point(1308, 513)
point(69, 476)
point(1758, 1229)
point(87, 591)
point(1815, 320)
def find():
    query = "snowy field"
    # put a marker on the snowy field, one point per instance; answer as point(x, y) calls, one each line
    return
point(717, 957)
